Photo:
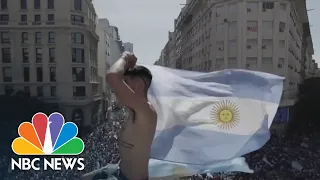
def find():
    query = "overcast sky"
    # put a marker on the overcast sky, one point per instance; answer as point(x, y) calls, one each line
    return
point(146, 23)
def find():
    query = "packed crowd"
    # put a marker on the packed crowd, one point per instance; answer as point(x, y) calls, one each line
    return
point(282, 158)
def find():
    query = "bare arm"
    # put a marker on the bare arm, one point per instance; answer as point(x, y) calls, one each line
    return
point(124, 93)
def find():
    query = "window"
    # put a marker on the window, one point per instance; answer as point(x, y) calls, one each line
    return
point(282, 25)
point(39, 74)
point(52, 74)
point(252, 63)
point(50, 17)
point(52, 37)
point(77, 55)
point(6, 55)
point(27, 90)
point(77, 19)
point(25, 55)
point(38, 37)
point(5, 37)
point(267, 61)
point(40, 91)
point(8, 90)
point(77, 38)
point(26, 74)
point(37, 4)
point(7, 74)
point(53, 91)
point(281, 63)
point(24, 38)
point(38, 55)
point(78, 5)
point(52, 55)
point(23, 18)
point(283, 6)
point(4, 18)
point(37, 18)
point(50, 4)
point(78, 74)
point(232, 62)
point(219, 63)
point(252, 26)
point(4, 4)
point(79, 91)
point(23, 4)
point(267, 5)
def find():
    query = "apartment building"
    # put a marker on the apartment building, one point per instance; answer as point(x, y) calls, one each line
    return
point(257, 35)
point(313, 68)
point(116, 48)
point(104, 55)
point(168, 54)
point(128, 46)
point(116, 45)
point(49, 51)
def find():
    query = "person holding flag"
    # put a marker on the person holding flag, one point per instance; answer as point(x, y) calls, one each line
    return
point(130, 84)
point(185, 123)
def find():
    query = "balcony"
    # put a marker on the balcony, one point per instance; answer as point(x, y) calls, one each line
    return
point(36, 23)
point(23, 23)
point(186, 17)
point(97, 97)
point(50, 23)
point(4, 22)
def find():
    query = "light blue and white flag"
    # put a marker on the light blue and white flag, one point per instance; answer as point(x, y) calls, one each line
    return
point(207, 121)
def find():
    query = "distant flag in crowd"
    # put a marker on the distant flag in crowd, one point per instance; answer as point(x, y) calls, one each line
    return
point(207, 121)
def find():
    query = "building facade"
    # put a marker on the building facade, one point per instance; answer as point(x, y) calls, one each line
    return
point(168, 54)
point(49, 51)
point(313, 68)
point(115, 49)
point(104, 64)
point(116, 45)
point(128, 46)
point(256, 35)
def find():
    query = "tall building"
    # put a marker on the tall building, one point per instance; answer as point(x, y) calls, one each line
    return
point(273, 37)
point(104, 64)
point(49, 51)
point(313, 67)
point(128, 46)
point(116, 46)
point(168, 54)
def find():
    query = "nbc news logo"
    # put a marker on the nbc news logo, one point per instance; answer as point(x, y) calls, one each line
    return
point(47, 136)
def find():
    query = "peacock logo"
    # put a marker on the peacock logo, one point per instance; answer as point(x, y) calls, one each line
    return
point(48, 136)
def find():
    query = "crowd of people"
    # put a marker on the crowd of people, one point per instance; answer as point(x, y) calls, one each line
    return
point(282, 158)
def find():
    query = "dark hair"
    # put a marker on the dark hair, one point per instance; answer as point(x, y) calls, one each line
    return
point(140, 71)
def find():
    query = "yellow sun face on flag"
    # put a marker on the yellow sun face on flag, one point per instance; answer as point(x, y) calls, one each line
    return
point(225, 114)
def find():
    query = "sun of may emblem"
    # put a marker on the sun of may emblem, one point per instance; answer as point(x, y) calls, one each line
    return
point(225, 114)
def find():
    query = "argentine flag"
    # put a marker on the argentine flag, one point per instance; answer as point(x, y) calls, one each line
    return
point(207, 121)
